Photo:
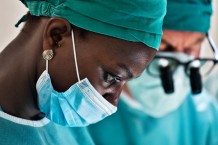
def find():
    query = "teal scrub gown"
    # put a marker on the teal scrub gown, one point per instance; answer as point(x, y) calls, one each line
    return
point(195, 122)
point(17, 131)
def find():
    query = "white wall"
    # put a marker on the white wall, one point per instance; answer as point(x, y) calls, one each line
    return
point(214, 28)
point(207, 51)
point(12, 10)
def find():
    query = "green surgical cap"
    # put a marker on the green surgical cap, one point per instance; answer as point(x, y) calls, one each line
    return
point(131, 20)
point(188, 15)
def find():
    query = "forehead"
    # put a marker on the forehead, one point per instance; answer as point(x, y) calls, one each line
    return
point(111, 51)
point(173, 37)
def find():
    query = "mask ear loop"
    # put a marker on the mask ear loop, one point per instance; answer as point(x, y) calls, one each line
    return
point(46, 61)
point(75, 58)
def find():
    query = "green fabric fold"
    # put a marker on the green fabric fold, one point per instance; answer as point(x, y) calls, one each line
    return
point(132, 20)
point(188, 15)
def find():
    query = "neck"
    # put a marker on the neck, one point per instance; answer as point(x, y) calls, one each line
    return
point(18, 77)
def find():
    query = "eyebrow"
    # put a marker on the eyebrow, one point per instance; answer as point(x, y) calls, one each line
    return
point(165, 42)
point(199, 40)
point(196, 42)
point(129, 74)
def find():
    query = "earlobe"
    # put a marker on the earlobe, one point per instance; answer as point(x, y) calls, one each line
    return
point(55, 33)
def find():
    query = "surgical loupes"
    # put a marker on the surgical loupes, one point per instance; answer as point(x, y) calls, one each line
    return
point(195, 77)
point(166, 76)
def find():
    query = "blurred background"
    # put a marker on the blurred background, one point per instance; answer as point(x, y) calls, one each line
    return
point(12, 10)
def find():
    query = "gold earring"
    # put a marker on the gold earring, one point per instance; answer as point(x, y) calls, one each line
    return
point(48, 54)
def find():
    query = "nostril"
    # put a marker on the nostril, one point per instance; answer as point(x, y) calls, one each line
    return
point(112, 94)
point(108, 97)
point(111, 98)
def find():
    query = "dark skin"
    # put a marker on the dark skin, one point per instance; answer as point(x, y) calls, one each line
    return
point(107, 62)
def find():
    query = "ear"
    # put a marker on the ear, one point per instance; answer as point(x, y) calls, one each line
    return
point(55, 33)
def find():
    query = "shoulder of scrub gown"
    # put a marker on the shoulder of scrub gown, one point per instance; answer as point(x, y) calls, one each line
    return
point(14, 131)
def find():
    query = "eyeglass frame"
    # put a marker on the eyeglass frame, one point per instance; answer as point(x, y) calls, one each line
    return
point(186, 64)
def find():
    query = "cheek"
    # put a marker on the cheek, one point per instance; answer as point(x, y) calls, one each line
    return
point(95, 77)
point(89, 64)
point(194, 51)
point(90, 69)
point(62, 69)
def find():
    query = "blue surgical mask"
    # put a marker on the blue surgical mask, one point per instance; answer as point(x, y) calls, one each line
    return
point(79, 106)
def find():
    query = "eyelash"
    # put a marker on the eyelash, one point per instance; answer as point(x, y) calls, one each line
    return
point(113, 78)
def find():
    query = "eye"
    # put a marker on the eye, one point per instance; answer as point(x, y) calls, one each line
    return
point(110, 78)
point(169, 48)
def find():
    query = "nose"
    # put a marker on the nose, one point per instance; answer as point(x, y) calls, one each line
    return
point(112, 93)
point(180, 48)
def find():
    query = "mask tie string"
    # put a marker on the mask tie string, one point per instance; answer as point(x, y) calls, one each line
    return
point(75, 58)
point(46, 62)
